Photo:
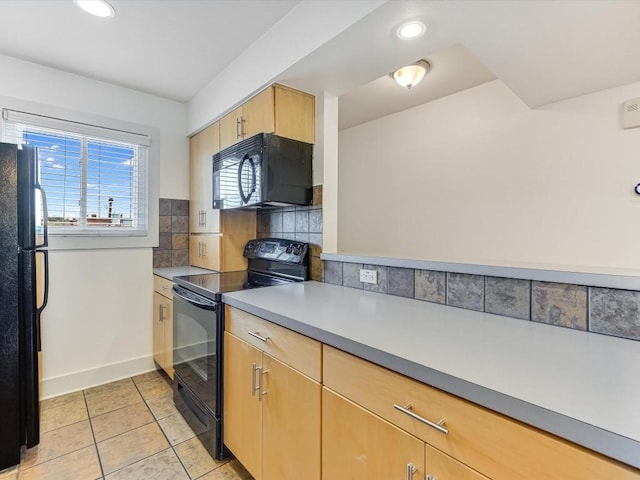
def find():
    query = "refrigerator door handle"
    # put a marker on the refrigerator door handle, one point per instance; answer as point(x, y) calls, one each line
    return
point(45, 296)
point(45, 218)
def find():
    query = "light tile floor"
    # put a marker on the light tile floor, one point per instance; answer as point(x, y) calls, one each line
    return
point(125, 430)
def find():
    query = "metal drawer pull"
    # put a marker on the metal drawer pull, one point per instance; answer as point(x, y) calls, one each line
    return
point(411, 469)
point(254, 368)
point(431, 477)
point(261, 393)
point(258, 336)
point(407, 410)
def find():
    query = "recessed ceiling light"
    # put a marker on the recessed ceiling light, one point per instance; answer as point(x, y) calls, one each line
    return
point(411, 30)
point(99, 8)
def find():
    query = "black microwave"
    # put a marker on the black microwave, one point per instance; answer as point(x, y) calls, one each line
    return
point(264, 170)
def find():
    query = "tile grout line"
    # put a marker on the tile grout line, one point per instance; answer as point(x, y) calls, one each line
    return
point(160, 427)
point(93, 434)
point(22, 468)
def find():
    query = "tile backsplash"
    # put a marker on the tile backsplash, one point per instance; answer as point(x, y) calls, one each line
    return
point(173, 247)
point(297, 223)
point(608, 311)
point(600, 310)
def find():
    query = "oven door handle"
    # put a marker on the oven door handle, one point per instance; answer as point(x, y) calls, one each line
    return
point(193, 299)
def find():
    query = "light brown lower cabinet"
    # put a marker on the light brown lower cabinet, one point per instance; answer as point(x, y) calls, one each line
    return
point(358, 445)
point(494, 445)
point(163, 324)
point(365, 422)
point(271, 414)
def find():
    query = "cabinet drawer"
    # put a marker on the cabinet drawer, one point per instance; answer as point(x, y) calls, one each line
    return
point(499, 447)
point(163, 286)
point(442, 467)
point(297, 351)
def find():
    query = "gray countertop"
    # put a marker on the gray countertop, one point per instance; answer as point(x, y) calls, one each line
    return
point(581, 386)
point(170, 272)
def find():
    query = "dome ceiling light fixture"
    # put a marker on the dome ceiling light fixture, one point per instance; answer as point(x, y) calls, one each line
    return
point(411, 30)
point(411, 75)
point(99, 8)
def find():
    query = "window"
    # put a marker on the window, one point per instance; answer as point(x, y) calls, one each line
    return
point(95, 178)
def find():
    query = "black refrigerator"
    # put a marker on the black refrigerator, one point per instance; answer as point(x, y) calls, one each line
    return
point(23, 268)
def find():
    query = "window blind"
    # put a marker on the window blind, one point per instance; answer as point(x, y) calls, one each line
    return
point(95, 178)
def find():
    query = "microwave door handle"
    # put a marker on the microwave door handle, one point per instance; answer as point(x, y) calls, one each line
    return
point(253, 177)
point(246, 198)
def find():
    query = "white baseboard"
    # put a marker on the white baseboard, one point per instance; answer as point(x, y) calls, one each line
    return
point(72, 382)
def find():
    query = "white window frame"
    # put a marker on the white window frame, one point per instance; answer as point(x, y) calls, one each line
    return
point(102, 240)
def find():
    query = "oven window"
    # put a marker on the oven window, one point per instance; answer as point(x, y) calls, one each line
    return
point(194, 351)
point(192, 344)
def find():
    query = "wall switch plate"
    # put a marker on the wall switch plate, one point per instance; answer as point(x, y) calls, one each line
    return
point(368, 276)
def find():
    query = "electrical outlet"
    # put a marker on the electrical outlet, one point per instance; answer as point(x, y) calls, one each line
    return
point(368, 276)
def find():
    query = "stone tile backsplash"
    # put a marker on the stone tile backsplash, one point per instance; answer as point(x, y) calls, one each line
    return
point(615, 312)
point(465, 291)
point(401, 282)
point(431, 286)
point(508, 296)
point(303, 224)
point(173, 246)
point(559, 304)
point(599, 310)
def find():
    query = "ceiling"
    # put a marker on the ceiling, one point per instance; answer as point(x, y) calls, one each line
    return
point(544, 51)
point(169, 48)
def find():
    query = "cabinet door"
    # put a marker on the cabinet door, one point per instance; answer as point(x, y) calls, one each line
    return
point(258, 114)
point(167, 365)
point(442, 467)
point(294, 114)
point(202, 217)
point(242, 410)
point(231, 128)
point(358, 445)
point(291, 423)
point(204, 250)
point(163, 332)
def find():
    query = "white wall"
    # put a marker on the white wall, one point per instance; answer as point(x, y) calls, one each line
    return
point(478, 177)
point(97, 326)
point(273, 53)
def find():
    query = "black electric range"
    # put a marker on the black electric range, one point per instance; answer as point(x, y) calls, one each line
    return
point(198, 329)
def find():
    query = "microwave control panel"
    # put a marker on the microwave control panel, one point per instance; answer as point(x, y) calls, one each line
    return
point(278, 249)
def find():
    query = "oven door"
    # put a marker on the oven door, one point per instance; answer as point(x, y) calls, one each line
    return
point(196, 331)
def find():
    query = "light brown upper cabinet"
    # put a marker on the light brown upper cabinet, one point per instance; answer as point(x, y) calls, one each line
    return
point(202, 217)
point(277, 109)
point(224, 251)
